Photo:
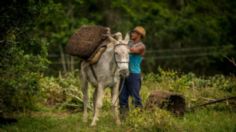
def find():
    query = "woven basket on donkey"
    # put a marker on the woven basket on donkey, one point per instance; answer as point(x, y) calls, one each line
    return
point(86, 40)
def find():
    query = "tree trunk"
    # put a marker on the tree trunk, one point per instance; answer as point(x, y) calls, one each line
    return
point(72, 64)
point(63, 61)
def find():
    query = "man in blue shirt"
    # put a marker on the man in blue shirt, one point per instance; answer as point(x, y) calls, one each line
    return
point(132, 83)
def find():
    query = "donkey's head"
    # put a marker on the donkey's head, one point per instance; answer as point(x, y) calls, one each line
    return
point(121, 53)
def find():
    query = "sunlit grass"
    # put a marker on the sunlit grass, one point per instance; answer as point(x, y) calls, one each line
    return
point(201, 120)
point(219, 117)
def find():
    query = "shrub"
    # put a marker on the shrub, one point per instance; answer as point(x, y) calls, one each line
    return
point(20, 73)
point(154, 120)
point(61, 92)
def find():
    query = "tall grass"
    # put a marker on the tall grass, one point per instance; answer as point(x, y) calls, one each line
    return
point(60, 106)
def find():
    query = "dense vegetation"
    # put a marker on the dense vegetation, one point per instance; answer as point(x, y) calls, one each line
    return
point(194, 37)
point(60, 106)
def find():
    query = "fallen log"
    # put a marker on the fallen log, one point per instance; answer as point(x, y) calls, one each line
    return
point(212, 102)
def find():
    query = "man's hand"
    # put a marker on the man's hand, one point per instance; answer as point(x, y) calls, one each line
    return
point(138, 49)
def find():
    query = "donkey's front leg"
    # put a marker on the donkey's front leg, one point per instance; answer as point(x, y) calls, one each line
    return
point(115, 102)
point(97, 103)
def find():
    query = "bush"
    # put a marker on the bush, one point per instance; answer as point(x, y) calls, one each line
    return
point(61, 92)
point(20, 73)
point(156, 120)
point(195, 89)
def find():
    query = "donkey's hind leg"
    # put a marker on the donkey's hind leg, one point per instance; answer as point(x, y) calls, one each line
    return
point(98, 96)
point(84, 87)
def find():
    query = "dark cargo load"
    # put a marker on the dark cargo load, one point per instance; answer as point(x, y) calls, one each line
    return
point(86, 40)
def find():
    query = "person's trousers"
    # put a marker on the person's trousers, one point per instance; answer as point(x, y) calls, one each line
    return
point(131, 88)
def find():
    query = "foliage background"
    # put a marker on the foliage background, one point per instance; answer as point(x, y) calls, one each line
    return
point(188, 36)
point(185, 35)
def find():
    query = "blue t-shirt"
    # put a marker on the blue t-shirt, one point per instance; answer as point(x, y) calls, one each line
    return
point(135, 60)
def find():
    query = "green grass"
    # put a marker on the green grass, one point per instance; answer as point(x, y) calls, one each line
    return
point(219, 117)
point(57, 122)
point(209, 120)
point(200, 121)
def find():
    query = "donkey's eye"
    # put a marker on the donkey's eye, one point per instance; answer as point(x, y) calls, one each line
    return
point(116, 54)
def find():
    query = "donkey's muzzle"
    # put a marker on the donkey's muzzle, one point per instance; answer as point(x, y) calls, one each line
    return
point(124, 72)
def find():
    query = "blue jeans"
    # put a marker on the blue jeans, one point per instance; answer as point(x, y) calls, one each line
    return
point(131, 88)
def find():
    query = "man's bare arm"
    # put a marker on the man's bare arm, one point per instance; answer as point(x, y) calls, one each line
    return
point(138, 49)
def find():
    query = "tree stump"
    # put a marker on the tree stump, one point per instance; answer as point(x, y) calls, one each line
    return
point(172, 102)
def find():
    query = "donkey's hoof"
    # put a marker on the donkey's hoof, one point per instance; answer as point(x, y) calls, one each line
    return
point(85, 117)
point(118, 123)
point(93, 124)
point(85, 120)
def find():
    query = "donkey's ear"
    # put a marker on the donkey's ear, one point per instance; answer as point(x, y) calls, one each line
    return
point(127, 38)
point(117, 36)
point(111, 39)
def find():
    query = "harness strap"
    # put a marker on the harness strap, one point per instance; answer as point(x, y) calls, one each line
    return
point(121, 85)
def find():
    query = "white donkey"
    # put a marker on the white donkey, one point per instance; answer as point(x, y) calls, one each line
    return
point(106, 73)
